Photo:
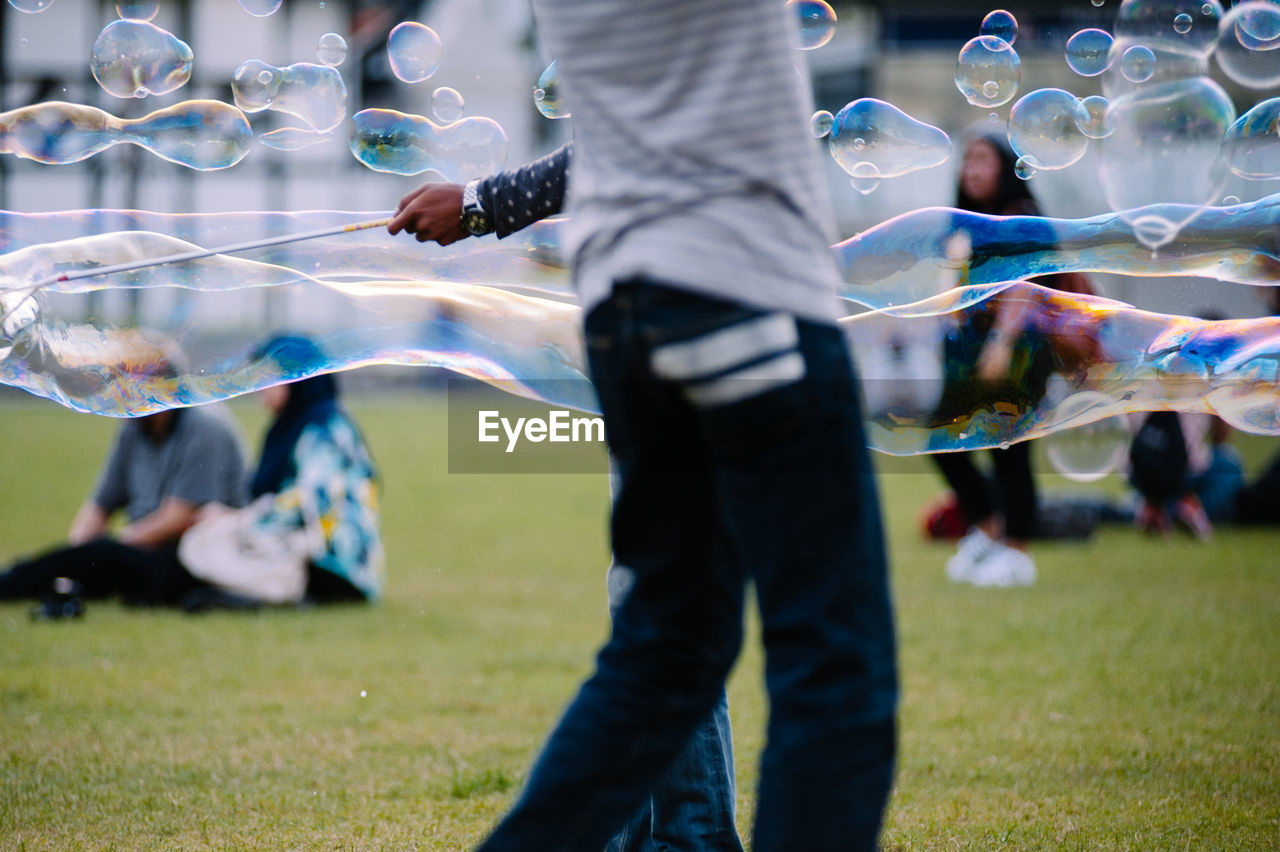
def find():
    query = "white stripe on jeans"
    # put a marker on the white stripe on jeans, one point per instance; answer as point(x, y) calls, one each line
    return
point(784, 369)
point(724, 348)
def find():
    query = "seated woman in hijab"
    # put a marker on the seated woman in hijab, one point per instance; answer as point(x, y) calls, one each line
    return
point(312, 530)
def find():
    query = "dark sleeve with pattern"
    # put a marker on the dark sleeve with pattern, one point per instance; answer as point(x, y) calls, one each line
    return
point(516, 199)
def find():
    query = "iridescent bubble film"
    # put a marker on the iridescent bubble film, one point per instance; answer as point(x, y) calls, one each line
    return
point(305, 90)
point(447, 104)
point(1249, 39)
point(1093, 122)
point(1045, 125)
point(203, 135)
point(1001, 24)
point(872, 139)
point(1252, 145)
point(1094, 438)
point(331, 49)
point(988, 72)
point(820, 123)
point(546, 93)
point(414, 51)
point(1164, 146)
point(137, 10)
point(1138, 63)
point(389, 141)
point(31, 6)
point(133, 59)
point(261, 8)
point(1089, 52)
point(817, 22)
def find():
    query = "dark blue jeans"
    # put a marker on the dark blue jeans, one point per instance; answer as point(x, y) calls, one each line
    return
point(739, 443)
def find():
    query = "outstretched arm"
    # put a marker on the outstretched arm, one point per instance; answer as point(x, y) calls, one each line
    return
point(511, 200)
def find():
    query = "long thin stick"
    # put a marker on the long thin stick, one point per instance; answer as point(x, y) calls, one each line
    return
point(199, 253)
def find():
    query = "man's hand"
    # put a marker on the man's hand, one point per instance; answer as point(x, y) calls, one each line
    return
point(162, 527)
point(433, 211)
point(89, 523)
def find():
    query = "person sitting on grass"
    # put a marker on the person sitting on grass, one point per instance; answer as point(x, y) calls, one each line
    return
point(312, 530)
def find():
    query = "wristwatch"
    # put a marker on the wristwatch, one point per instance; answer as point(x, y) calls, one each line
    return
point(475, 220)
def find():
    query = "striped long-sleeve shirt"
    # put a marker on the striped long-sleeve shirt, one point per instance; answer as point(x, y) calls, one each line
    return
point(692, 162)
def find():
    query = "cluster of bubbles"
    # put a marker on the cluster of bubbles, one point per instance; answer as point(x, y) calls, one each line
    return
point(988, 69)
point(414, 51)
point(133, 58)
point(203, 135)
point(872, 140)
point(546, 93)
point(817, 22)
point(389, 141)
point(406, 305)
point(314, 94)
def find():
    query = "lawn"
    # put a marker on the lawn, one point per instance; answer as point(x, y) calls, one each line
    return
point(1129, 700)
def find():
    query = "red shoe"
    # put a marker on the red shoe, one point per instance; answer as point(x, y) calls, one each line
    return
point(1189, 512)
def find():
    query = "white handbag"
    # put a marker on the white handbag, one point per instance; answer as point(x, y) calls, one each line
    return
point(233, 552)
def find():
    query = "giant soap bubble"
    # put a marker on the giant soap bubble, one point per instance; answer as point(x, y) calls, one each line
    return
point(134, 58)
point(1165, 146)
point(203, 135)
point(389, 141)
point(872, 139)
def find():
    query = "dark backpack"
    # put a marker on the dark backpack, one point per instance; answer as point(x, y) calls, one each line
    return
point(1158, 457)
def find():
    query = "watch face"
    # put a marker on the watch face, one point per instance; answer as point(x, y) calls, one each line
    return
point(476, 222)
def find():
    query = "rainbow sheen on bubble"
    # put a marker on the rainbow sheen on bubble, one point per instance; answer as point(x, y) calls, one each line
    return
point(1252, 145)
point(820, 124)
point(988, 72)
point(817, 22)
point(202, 135)
point(389, 141)
point(134, 58)
point(546, 93)
point(1089, 52)
point(1093, 122)
point(872, 139)
point(1001, 24)
point(1249, 36)
point(1044, 127)
point(414, 51)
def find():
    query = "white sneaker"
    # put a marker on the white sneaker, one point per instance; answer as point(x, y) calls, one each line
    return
point(971, 550)
point(1004, 566)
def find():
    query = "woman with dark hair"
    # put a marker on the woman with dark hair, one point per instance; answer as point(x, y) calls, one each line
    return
point(312, 530)
point(990, 360)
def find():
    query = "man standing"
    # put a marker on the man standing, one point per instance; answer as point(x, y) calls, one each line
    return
point(699, 234)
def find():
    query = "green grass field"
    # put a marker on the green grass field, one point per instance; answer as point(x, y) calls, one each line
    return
point(1129, 700)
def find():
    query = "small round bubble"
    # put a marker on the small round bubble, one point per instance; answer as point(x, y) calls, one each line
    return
point(1092, 437)
point(990, 89)
point(31, 6)
point(447, 104)
point(1138, 64)
point(137, 10)
point(1025, 168)
point(985, 60)
point(331, 49)
point(1098, 2)
point(1182, 23)
point(1089, 52)
point(414, 51)
point(546, 93)
point(1230, 201)
point(1001, 24)
point(820, 123)
point(261, 8)
point(817, 22)
point(1206, 9)
point(264, 77)
point(1095, 125)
